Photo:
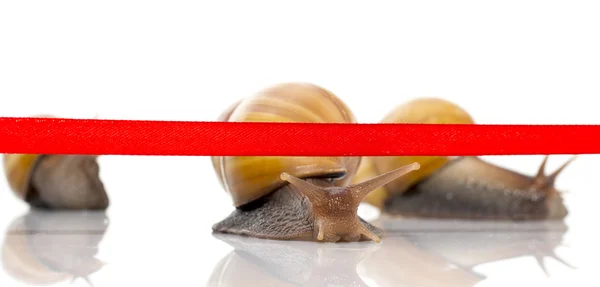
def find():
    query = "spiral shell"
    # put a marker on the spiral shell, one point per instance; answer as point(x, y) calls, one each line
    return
point(247, 178)
point(18, 169)
point(421, 110)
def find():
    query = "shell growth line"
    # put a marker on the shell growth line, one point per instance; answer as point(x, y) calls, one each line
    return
point(184, 138)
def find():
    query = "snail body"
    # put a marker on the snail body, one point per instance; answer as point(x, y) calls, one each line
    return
point(56, 181)
point(299, 198)
point(471, 188)
point(462, 187)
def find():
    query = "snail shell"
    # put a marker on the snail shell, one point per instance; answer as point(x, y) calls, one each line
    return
point(417, 111)
point(247, 178)
point(18, 170)
point(55, 181)
point(300, 198)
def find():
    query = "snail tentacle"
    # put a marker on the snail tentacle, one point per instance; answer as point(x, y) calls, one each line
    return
point(314, 193)
point(543, 182)
point(365, 232)
point(361, 190)
point(552, 177)
point(321, 235)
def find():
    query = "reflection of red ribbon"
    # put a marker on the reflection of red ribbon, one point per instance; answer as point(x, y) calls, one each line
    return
point(124, 137)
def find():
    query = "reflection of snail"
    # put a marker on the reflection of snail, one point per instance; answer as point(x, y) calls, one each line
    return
point(468, 244)
point(296, 197)
point(416, 267)
point(46, 247)
point(275, 263)
point(464, 187)
point(56, 181)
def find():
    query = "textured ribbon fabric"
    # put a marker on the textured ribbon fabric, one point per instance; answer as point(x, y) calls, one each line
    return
point(179, 138)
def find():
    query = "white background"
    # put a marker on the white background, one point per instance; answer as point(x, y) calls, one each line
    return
point(513, 62)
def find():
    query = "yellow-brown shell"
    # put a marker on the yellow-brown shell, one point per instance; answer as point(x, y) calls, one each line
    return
point(18, 169)
point(422, 110)
point(247, 178)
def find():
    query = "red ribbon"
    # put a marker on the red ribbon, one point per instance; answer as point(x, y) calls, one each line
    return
point(179, 138)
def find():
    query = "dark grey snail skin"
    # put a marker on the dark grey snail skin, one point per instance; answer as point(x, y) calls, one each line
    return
point(471, 188)
point(67, 182)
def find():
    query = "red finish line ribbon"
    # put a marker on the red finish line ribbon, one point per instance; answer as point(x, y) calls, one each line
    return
point(180, 138)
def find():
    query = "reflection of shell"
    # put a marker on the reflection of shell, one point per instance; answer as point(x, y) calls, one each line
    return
point(247, 178)
point(39, 258)
point(418, 111)
point(21, 264)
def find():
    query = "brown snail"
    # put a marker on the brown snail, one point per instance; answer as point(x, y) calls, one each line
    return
point(56, 181)
point(463, 187)
point(296, 198)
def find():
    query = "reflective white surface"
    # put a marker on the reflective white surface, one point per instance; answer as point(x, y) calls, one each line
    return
point(157, 231)
point(61, 248)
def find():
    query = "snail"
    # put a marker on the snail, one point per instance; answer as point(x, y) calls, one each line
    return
point(56, 181)
point(465, 187)
point(296, 198)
